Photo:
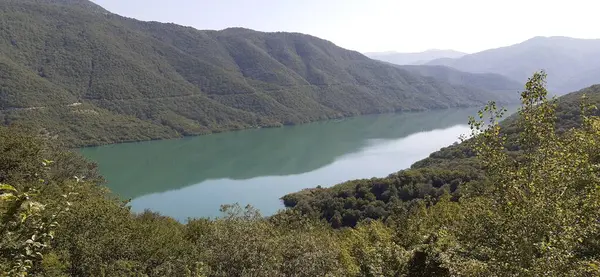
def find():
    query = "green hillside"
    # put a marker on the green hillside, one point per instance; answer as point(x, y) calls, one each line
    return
point(92, 77)
point(443, 171)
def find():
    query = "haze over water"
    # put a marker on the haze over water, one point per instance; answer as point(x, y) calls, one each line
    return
point(193, 176)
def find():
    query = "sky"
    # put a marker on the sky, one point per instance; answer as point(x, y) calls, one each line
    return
point(382, 25)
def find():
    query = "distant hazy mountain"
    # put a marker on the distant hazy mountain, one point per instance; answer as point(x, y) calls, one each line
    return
point(571, 63)
point(414, 58)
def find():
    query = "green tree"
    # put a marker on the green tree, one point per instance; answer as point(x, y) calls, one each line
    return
point(25, 231)
point(538, 208)
point(370, 250)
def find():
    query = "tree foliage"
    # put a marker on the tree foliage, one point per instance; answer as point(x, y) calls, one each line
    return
point(538, 209)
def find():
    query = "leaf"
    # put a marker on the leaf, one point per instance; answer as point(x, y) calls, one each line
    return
point(7, 187)
point(7, 197)
point(23, 217)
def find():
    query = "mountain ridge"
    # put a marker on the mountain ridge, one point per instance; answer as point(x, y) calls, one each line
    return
point(84, 4)
point(97, 78)
point(564, 58)
point(414, 58)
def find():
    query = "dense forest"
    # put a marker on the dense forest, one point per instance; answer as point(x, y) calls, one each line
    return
point(529, 205)
point(91, 77)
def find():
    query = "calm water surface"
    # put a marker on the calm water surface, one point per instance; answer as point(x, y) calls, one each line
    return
point(193, 176)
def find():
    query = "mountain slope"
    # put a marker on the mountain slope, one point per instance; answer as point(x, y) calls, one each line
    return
point(495, 83)
point(93, 77)
point(572, 63)
point(414, 58)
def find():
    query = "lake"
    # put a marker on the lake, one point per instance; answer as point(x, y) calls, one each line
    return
point(193, 176)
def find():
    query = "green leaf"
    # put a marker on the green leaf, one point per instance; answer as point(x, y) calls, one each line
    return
point(4, 187)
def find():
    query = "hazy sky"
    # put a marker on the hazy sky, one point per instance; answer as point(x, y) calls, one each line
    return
point(382, 25)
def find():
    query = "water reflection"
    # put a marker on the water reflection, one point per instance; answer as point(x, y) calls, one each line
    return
point(193, 176)
point(378, 158)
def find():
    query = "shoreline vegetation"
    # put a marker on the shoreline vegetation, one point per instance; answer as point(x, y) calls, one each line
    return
point(338, 119)
point(357, 200)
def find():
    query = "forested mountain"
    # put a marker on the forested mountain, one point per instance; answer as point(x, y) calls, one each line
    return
point(572, 63)
point(92, 77)
point(414, 58)
point(443, 171)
